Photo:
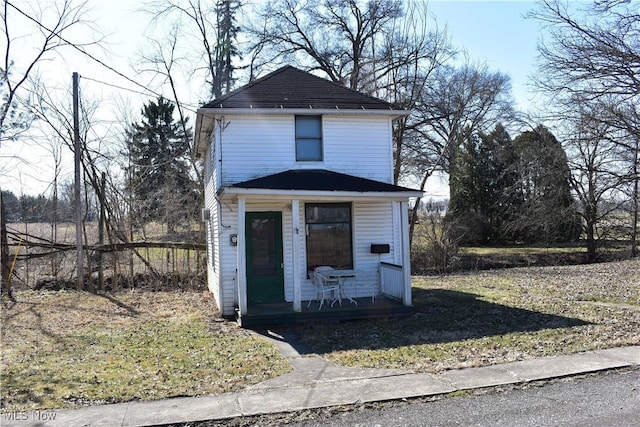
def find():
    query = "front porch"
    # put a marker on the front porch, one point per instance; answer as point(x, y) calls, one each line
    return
point(282, 240)
point(283, 313)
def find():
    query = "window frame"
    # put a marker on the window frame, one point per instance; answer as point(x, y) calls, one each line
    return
point(307, 223)
point(309, 138)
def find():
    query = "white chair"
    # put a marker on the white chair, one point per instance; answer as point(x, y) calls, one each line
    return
point(324, 285)
point(369, 288)
point(366, 285)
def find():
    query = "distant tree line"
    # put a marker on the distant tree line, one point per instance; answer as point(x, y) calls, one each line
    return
point(33, 209)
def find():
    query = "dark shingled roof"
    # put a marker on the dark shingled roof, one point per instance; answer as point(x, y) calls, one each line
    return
point(289, 87)
point(319, 180)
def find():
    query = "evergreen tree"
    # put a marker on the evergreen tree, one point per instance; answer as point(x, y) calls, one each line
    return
point(158, 172)
point(548, 212)
point(11, 205)
point(482, 179)
point(499, 174)
point(225, 47)
point(466, 207)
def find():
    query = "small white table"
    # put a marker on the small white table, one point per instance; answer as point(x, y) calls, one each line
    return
point(341, 276)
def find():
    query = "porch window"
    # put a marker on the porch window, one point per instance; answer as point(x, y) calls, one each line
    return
point(308, 138)
point(329, 240)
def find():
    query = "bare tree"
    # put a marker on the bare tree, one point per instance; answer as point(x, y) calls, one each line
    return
point(624, 120)
point(411, 57)
point(212, 27)
point(344, 39)
point(48, 26)
point(385, 49)
point(590, 51)
point(455, 100)
point(595, 179)
point(382, 47)
point(96, 157)
point(162, 60)
point(591, 56)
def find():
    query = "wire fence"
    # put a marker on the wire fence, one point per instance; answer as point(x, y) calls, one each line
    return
point(38, 262)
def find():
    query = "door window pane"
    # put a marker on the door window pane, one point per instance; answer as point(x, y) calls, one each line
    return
point(264, 260)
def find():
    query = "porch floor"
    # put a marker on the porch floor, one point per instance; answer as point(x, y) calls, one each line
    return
point(283, 314)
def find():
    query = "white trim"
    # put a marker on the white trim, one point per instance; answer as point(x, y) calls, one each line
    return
point(302, 111)
point(205, 126)
point(295, 237)
point(206, 116)
point(406, 258)
point(241, 274)
point(288, 194)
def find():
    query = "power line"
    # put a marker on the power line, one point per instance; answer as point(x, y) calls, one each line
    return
point(185, 106)
point(114, 85)
point(108, 67)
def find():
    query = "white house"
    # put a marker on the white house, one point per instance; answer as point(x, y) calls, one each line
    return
point(299, 174)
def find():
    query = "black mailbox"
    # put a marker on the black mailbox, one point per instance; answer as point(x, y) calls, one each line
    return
point(380, 248)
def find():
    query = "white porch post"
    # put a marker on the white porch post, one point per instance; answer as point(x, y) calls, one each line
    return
point(406, 257)
point(242, 259)
point(297, 282)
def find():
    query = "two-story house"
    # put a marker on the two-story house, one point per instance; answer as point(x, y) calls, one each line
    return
point(299, 174)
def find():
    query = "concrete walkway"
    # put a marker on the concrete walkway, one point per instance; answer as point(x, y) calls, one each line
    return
point(316, 383)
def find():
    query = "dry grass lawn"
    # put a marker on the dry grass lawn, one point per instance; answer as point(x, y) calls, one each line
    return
point(68, 348)
point(489, 317)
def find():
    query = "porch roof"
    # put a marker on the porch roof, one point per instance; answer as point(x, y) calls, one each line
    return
point(320, 182)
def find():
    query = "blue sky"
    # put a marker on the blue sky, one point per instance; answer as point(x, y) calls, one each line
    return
point(492, 32)
point(495, 32)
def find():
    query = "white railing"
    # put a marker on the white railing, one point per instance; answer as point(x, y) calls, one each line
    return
point(391, 280)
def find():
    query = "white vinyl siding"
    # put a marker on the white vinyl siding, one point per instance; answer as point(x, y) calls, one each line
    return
point(211, 227)
point(373, 222)
point(256, 146)
point(228, 258)
point(230, 253)
point(250, 146)
point(359, 146)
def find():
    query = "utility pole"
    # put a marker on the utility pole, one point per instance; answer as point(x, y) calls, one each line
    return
point(103, 184)
point(4, 250)
point(76, 183)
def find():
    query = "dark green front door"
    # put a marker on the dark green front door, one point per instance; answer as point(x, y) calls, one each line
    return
point(265, 273)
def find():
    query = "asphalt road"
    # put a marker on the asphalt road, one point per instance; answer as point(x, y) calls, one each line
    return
point(604, 399)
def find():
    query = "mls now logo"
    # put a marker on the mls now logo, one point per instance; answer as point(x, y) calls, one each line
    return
point(29, 416)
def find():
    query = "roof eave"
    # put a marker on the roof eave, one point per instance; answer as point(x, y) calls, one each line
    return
point(216, 111)
point(202, 134)
point(299, 194)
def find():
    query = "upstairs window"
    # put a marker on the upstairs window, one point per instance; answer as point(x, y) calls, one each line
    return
point(308, 138)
